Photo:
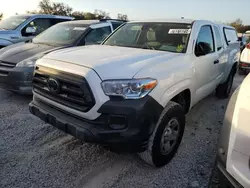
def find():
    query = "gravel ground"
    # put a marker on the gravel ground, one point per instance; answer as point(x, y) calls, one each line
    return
point(35, 154)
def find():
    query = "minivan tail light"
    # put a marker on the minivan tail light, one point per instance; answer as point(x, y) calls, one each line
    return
point(248, 46)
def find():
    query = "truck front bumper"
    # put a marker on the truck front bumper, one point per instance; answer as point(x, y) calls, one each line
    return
point(124, 125)
point(18, 79)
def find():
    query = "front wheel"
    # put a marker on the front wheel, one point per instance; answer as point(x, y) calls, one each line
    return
point(166, 138)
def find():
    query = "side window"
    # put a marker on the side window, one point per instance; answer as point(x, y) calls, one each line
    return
point(218, 38)
point(205, 41)
point(96, 36)
point(116, 24)
point(39, 25)
point(230, 35)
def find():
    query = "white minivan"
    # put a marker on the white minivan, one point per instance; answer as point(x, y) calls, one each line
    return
point(233, 159)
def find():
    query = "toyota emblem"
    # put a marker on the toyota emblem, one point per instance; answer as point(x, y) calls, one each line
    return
point(53, 85)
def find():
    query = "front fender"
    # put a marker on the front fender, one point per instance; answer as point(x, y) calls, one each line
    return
point(174, 90)
point(5, 42)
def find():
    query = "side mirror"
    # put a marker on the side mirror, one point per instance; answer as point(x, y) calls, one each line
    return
point(30, 30)
point(202, 48)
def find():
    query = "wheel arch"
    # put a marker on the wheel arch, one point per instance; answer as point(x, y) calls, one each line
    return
point(179, 91)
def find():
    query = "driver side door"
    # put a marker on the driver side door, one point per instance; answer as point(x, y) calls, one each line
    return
point(39, 25)
point(205, 62)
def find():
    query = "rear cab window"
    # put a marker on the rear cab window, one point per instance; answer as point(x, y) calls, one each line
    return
point(218, 38)
point(230, 35)
point(96, 35)
point(116, 24)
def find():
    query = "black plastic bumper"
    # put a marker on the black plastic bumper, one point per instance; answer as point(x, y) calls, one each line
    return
point(18, 79)
point(225, 179)
point(124, 125)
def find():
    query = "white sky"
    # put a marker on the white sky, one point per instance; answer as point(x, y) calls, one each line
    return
point(215, 10)
point(10, 7)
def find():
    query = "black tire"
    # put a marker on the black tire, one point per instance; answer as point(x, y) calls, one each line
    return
point(241, 71)
point(223, 90)
point(154, 155)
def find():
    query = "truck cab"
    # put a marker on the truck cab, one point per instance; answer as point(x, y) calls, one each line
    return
point(132, 92)
point(21, 28)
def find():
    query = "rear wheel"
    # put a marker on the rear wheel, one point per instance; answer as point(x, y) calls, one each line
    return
point(223, 90)
point(166, 138)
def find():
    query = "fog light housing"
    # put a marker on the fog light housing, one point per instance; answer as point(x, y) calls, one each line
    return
point(117, 122)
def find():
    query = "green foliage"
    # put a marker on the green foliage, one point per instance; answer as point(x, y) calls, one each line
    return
point(89, 16)
point(100, 14)
point(122, 17)
point(48, 7)
point(1, 16)
point(238, 25)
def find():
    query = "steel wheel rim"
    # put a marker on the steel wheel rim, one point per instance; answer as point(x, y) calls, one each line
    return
point(170, 136)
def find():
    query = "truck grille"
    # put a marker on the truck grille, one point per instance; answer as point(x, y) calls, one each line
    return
point(65, 88)
point(5, 67)
point(4, 64)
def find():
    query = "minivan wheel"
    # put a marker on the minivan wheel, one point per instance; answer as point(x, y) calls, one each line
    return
point(242, 71)
point(166, 138)
point(223, 90)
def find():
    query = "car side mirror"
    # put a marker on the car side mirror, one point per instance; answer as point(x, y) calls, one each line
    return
point(202, 49)
point(30, 30)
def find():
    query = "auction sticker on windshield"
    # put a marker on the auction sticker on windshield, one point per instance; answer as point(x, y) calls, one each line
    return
point(80, 28)
point(179, 31)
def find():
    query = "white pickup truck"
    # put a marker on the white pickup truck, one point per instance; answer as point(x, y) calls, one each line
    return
point(132, 92)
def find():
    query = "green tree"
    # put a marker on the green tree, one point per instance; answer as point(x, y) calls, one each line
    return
point(89, 16)
point(122, 17)
point(78, 15)
point(100, 14)
point(48, 7)
point(237, 24)
point(1, 16)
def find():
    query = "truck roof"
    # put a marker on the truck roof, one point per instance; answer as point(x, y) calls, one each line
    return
point(184, 21)
point(89, 22)
point(46, 16)
point(187, 21)
point(81, 22)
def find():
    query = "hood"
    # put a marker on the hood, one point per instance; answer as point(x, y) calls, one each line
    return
point(18, 52)
point(5, 32)
point(111, 62)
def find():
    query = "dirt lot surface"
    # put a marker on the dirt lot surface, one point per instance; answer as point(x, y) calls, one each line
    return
point(35, 154)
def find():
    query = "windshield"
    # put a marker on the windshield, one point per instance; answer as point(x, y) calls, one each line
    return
point(61, 34)
point(13, 22)
point(172, 37)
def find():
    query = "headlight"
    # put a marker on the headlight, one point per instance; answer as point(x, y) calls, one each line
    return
point(30, 62)
point(129, 89)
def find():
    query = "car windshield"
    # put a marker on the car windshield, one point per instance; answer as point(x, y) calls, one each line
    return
point(13, 22)
point(172, 37)
point(61, 34)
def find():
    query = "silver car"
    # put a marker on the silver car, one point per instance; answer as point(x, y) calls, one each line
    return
point(21, 28)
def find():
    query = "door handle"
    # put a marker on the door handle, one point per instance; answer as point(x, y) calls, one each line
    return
point(216, 61)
